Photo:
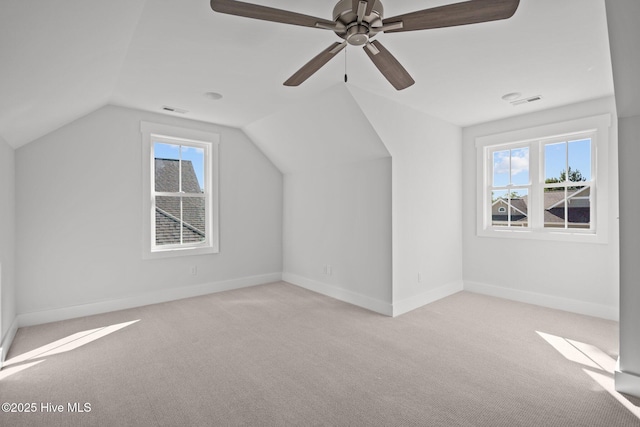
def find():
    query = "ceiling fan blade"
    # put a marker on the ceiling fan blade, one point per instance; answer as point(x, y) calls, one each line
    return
point(315, 64)
point(468, 12)
point(265, 13)
point(388, 65)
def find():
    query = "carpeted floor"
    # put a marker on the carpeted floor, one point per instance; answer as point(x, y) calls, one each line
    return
point(277, 355)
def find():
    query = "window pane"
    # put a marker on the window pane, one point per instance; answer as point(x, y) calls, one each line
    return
point(167, 220)
point(568, 207)
point(192, 169)
point(509, 208)
point(176, 213)
point(580, 160)
point(519, 200)
point(193, 211)
point(579, 207)
point(554, 207)
point(167, 158)
point(555, 162)
point(501, 168)
point(499, 208)
point(520, 166)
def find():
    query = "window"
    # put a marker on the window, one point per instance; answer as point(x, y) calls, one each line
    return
point(180, 191)
point(509, 186)
point(546, 182)
point(567, 183)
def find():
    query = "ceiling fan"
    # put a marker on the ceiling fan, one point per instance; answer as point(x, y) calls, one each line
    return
point(358, 21)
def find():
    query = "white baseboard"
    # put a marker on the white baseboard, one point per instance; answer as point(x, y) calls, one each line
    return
point(54, 315)
point(550, 301)
point(626, 382)
point(338, 293)
point(417, 301)
point(7, 339)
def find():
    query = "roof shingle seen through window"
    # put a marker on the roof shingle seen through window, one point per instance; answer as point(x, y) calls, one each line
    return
point(168, 212)
point(579, 211)
point(167, 173)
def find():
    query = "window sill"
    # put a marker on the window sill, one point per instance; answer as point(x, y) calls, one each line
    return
point(556, 236)
point(178, 252)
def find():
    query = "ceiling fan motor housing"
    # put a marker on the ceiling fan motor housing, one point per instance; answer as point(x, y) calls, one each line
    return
point(356, 33)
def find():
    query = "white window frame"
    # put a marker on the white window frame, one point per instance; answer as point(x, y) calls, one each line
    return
point(595, 127)
point(155, 132)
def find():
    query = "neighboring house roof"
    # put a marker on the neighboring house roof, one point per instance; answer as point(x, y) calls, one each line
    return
point(518, 210)
point(579, 211)
point(167, 171)
point(168, 208)
point(554, 199)
point(518, 205)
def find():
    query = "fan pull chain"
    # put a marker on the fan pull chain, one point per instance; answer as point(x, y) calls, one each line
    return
point(345, 66)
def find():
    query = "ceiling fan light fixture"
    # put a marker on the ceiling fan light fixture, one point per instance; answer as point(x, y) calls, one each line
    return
point(357, 35)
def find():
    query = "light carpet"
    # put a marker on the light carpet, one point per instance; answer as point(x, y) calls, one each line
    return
point(279, 355)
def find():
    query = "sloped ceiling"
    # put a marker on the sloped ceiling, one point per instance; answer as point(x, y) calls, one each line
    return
point(329, 130)
point(63, 59)
point(60, 60)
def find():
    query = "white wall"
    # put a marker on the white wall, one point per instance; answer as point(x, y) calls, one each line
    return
point(624, 33)
point(337, 197)
point(78, 198)
point(571, 276)
point(7, 247)
point(629, 251)
point(341, 217)
point(426, 176)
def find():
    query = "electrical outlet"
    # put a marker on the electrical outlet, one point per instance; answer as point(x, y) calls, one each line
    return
point(419, 277)
point(194, 270)
point(328, 270)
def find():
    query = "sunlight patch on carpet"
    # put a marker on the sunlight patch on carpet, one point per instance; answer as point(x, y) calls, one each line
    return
point(6, 372)
point(602, 365)
point(62, 345)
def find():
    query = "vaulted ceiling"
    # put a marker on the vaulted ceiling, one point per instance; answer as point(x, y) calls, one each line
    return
point(63, 59)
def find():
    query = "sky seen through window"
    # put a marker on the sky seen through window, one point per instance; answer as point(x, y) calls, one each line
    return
point(173, 152)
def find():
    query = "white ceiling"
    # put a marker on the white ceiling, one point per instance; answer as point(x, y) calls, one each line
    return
point(63, 59)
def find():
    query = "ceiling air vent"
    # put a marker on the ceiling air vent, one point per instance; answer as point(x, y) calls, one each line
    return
point(174, 110)
point(526, 100)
